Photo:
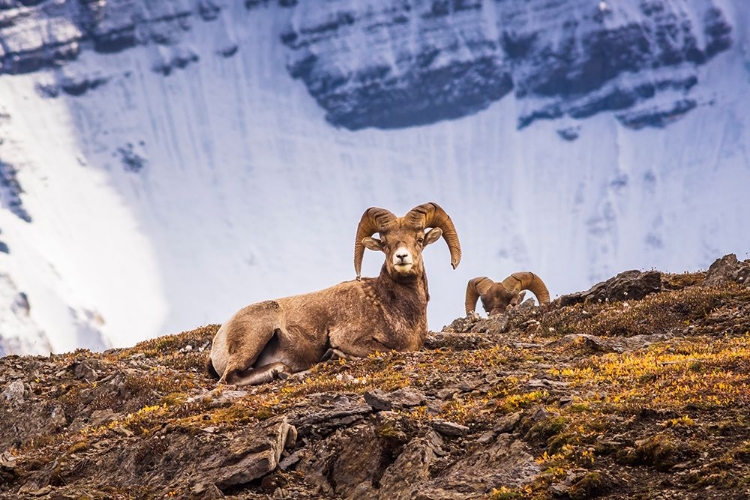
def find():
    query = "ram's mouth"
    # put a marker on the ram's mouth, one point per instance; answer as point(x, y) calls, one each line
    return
point(403, 268)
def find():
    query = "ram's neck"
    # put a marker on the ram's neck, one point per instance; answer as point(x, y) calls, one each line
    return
point(409, 296)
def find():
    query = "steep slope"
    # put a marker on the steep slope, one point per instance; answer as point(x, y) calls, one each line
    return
point(169, 168)
point(600, 398)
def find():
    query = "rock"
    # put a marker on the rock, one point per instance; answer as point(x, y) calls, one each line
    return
point(580, 484)
point(539, 414)
point(398, 399)
point(657, 116)
point(463, 324)
point(469, 385)
point(34, 490)
point(291, 460)
point(460, 341)
point(628, 285)
point(447, 428)
point(291, 438)
point(565, 401)
point(407, 476)
point(378, 400)
point(407, 397)
point(12, 191)
point(8, 473)
point(122, 431)
point(447, 393)
point(84, 371)
point(346, 460)
point(253, 466)
point(507, 461)
point(206, 490)
point(14, 393)
point(728, 269)
point(487, 437)
point(498, 323)
point(569, 133)
point(101, 417)
point(57, 418)
point(591, 485)
point(559, 490)
point(340, 411)
point(525, 306)
point(255, 455)
point(7, 460)
point(544, 384)
point(508, 423)
point(610, 344)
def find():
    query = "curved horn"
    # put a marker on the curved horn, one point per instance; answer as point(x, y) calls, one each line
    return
point(527, 281)
point(474, 289)
point(431, 215)
point(374, 220)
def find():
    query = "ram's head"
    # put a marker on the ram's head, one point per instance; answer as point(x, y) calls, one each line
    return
point(402, 239)
point(497, 297)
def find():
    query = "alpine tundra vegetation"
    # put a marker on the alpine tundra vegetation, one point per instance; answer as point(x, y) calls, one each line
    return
point(574, 138)
point(593, 396)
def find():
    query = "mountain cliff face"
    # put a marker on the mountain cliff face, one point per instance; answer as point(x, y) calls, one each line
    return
point(164, 163)
point(401, 63)
point(420, 62)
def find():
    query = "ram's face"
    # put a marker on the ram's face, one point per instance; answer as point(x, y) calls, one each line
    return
point(497, 300)
point(403, 249)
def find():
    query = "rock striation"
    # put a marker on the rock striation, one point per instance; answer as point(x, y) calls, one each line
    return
point(402, 63)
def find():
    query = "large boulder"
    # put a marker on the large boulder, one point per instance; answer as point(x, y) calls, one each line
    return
point(727, 270)
point(628, 285)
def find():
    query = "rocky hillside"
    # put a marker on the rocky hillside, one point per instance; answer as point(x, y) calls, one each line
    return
point(637, 388)
point(602, 134)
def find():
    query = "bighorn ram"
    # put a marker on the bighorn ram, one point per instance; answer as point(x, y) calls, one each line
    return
point(497, 297)
point(356, 318)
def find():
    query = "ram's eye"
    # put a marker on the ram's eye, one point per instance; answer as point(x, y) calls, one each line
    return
point(420, 240)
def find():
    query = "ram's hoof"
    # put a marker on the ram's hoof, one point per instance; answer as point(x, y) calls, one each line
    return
point(333, 355)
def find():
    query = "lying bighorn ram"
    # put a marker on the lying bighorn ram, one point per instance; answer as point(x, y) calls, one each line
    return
point(278, 337)
point(497, 297)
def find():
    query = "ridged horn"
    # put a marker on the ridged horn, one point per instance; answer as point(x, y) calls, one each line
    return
point(527, 281)
point(475, 288)
point(432, 215)
point(374, 220)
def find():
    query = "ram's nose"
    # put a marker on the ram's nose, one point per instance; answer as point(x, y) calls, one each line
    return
point(402, 258)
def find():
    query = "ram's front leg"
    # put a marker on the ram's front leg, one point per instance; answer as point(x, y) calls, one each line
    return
point(360, 348)
point(334, 354)
point(260, 375)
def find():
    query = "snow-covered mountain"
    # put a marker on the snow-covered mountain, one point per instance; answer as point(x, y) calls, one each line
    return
point(164, 163)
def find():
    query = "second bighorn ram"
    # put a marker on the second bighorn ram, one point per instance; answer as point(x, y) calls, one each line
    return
point(277, 337)
point(497, 297)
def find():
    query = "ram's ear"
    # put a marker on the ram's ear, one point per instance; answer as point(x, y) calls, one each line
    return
point(432, 235)
point(373, 244)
